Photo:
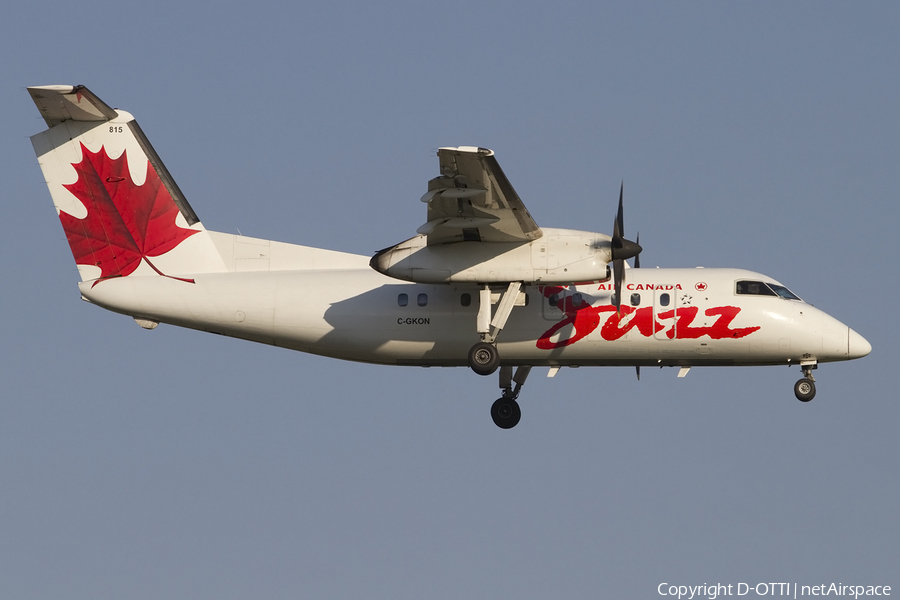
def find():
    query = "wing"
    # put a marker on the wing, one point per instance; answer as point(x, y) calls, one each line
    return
point(472, 200)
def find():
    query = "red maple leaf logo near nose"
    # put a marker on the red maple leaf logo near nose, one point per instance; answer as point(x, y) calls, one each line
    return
point(125, 223)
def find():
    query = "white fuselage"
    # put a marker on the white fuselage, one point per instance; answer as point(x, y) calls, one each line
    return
point(480, 285)
point(340, 307)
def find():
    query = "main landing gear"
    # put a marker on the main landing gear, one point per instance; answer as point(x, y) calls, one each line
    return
point(505, 411)
point(483, 356)
point(805, 389)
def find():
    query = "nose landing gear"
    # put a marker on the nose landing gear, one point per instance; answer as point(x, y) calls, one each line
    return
point(805, 389)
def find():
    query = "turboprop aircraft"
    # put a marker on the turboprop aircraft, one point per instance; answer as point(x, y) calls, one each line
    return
point(480, 284)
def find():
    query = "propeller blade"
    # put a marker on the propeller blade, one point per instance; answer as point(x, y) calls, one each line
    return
point(621, 249)
point(620, 218)
point(637, 370)
point(637, 257)
point(619, 278)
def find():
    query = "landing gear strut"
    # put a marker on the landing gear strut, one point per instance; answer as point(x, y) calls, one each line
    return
point(505, 411)
point(805, 389)
point(483, 356)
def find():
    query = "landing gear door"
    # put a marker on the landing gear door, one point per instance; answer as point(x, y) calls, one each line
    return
point(665, 314)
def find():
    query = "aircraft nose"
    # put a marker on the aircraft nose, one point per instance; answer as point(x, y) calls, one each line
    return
point(857, 345)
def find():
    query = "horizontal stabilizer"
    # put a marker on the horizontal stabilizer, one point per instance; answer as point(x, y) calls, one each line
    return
point(59, 103)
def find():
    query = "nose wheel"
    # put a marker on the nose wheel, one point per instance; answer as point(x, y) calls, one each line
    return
point(805, 389)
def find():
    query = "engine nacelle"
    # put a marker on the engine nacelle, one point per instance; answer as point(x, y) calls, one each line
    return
point(560, 256)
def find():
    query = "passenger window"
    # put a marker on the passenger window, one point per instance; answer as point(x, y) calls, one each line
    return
point(635, 299)
point(402, 300)
point(422, 300)
point(465, 299)
point(577, 299)
point(553, 300)
point(664, 299)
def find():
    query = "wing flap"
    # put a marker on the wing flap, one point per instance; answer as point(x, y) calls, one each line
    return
point(473, 200)
point(456, 223)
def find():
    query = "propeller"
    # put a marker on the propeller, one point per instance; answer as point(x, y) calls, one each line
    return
point(637, 265)
point(621, 250)
point(637, 257)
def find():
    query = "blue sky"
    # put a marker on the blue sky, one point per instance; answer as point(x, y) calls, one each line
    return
point(176, 464)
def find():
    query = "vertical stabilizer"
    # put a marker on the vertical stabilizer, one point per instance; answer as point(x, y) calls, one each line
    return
point(121, 210)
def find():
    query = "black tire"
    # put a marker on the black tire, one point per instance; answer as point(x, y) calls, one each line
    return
point(506, 413)
point(484, 358)
point(805, 390)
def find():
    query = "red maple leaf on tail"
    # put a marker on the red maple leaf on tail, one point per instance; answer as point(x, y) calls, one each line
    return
point(125, 223)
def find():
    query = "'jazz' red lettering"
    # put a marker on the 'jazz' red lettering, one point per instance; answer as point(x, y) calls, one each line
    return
point(585, 319)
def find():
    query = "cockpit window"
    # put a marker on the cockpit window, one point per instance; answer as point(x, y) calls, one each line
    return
point(783, 292)
point(754, 288)
point(759, 288)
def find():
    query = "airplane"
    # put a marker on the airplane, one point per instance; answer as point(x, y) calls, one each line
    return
point(479, 285)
